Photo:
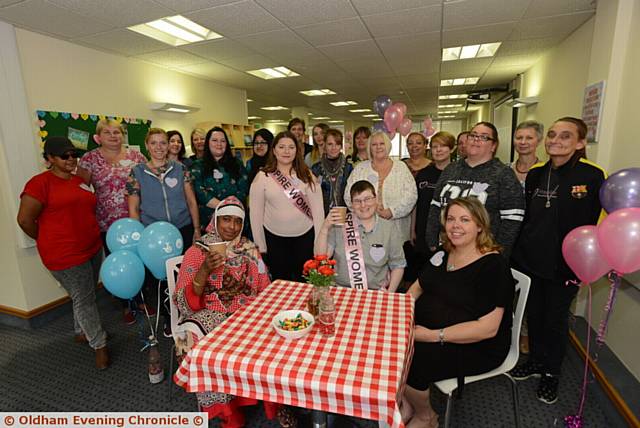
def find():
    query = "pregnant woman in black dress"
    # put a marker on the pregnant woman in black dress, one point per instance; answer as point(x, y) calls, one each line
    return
point(463, 309)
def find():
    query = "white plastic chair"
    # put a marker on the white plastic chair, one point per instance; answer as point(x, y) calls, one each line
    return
point(448, 386)
point(178, 331)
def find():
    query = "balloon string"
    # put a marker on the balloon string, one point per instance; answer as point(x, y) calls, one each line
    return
point(154, 331)
point(608, 308)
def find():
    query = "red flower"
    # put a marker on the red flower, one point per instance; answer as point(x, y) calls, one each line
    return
point(332, 262)
point(326, 270)
point(310, 264)
point(321, 257)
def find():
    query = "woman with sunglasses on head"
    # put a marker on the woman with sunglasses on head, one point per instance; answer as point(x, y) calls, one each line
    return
point(107, 168)
point(58, 210)
point(286, 209)
point(262, 140)
point(218, 174)
point(561, 194)
point(481, 175)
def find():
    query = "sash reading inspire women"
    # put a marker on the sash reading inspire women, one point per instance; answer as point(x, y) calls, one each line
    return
point(295, 195)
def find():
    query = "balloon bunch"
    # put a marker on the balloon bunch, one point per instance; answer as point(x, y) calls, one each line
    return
point(612, 248)
point(393, 116)
point(132, 248)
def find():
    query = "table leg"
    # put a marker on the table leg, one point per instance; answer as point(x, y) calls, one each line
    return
point(318, 419)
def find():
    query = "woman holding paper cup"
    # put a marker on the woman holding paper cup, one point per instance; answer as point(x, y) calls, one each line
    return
point(366, 247)
point(220, 274)
point(286, 209)
point(332, 171)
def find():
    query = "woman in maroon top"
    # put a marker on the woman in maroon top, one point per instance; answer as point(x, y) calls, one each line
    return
point(58, 210)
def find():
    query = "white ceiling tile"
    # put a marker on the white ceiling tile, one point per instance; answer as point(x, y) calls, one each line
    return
point(539, 8)
point(372, 68)
point(172, 58)
point(236, 19)
point(4, 3)
point(329, 33)
point(118, 13)
point(250, 62)
point(352, 50)
point(474, 35)
point(515, 60)
point(465, 67)
point(412, 21)
point(372, 7)
point(553, 26)
point(125, 42)
point(305, 12)
point(42, 16)
point(414, 64)
point(419, 80)
point(471, 13)
point(283, 46)
point(183, 6)
point(219, 49)
point(402, 47)
point(528, 46)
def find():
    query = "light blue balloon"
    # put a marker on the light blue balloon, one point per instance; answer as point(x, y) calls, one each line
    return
point(159, 242)
point(124, 234)
point(122, 273)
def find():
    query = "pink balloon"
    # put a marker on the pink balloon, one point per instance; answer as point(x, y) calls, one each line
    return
point(582, 253)
point(402, 107)
point(429, 132)
point(392, 118)
point(405, 126)
point(619, 237)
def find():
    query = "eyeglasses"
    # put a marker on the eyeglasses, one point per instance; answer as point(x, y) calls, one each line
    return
point(66, 156)
point(363, 201)
point(481, 137)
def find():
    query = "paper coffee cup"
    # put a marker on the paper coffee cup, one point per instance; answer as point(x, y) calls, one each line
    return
point(343, 215)
point(219, 247)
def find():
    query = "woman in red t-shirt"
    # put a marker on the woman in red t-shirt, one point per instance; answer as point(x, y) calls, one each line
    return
point(57, 209)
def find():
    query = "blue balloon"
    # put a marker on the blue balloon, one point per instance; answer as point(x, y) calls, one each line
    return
point(122, 273)
point(124, 234)
point(159, 242)
point(380, 104)
point(621, 190)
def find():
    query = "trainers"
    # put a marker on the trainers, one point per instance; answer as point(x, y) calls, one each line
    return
point(526, 370)
point(548, 388)
point(129, 318)
point(166, 330)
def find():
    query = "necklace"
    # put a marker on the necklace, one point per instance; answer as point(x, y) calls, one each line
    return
point(549, 195)
point(450, 267)
point(527, 169)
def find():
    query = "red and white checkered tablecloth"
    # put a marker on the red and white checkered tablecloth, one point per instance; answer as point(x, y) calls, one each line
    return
point(359, 371)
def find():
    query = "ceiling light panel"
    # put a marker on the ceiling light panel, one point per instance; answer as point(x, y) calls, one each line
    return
point(343, 103)
point(369, 115)
point(175, 31)
point(470, 51)
point(274, 108)
point(459, 81)
point(449, 105)
point(273, 73)
point(336, 121)
point(321, 118)
point(254, 117)
point(249, 100)
point(360, 110)
point(452, 97)
point(317, 92)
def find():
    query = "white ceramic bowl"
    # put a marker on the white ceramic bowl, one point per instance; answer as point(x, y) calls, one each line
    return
point(297, 334)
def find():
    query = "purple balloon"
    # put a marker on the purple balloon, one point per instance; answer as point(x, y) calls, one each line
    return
point(621, 190)
point(380, 104)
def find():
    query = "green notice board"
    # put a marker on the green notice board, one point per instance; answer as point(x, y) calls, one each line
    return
point(80, 128)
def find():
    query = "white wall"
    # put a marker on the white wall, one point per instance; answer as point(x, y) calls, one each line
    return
point(60, 76)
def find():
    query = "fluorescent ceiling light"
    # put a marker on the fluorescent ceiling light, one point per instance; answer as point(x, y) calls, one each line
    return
point(254, 117)
point(377, 119)
point(369, 115)
point(447, 111)
point(249, 100)
point(336, 121)
point(317, 92)
point(321, 118)
point(449, 105)
point(175, 31)
point(173, 108)
point(273, 73)
point(446, 117)
point(452, 97)
point(470, 51)
point(360, 110)
point(273, 108)
point(343, 103)
point(459, 81)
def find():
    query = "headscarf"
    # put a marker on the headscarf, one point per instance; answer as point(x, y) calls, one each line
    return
point(237, 246)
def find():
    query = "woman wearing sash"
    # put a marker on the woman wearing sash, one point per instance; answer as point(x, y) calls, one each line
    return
point(332, 171)
point(463, 308)
point(395, 186)
point(366, 247)
point(286, 209)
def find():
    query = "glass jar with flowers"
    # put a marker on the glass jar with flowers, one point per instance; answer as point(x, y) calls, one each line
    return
point(320, 273)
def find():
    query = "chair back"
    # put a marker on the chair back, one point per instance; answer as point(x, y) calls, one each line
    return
point(523, 283)
point(173, 269)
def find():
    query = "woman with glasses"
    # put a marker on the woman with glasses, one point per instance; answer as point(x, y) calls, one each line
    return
point(483, 176)
point(377, 246)
point(58, 210)
point(262, 140)
point(107, 168)
point(395, 186)
point(332, 171)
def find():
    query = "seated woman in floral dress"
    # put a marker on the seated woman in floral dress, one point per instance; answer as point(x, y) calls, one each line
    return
point(211, 287)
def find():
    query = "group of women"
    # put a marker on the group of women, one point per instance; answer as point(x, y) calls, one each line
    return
point(462, 225)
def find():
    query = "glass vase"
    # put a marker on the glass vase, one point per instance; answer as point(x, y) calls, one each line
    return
point(313, 302)
point(327, 313)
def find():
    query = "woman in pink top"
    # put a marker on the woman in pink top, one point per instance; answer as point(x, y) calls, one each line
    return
point(286, 209)
point(107, 168)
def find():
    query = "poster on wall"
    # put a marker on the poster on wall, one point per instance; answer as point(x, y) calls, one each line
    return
point(592, 110)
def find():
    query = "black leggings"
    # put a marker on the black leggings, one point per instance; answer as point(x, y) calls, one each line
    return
point(287, 254)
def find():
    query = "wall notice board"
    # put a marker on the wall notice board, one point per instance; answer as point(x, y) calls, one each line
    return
point(80, 127)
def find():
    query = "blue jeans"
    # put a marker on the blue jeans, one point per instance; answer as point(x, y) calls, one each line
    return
point(80, 282)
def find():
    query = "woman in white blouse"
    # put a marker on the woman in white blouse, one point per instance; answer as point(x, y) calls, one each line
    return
point(395, 185)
